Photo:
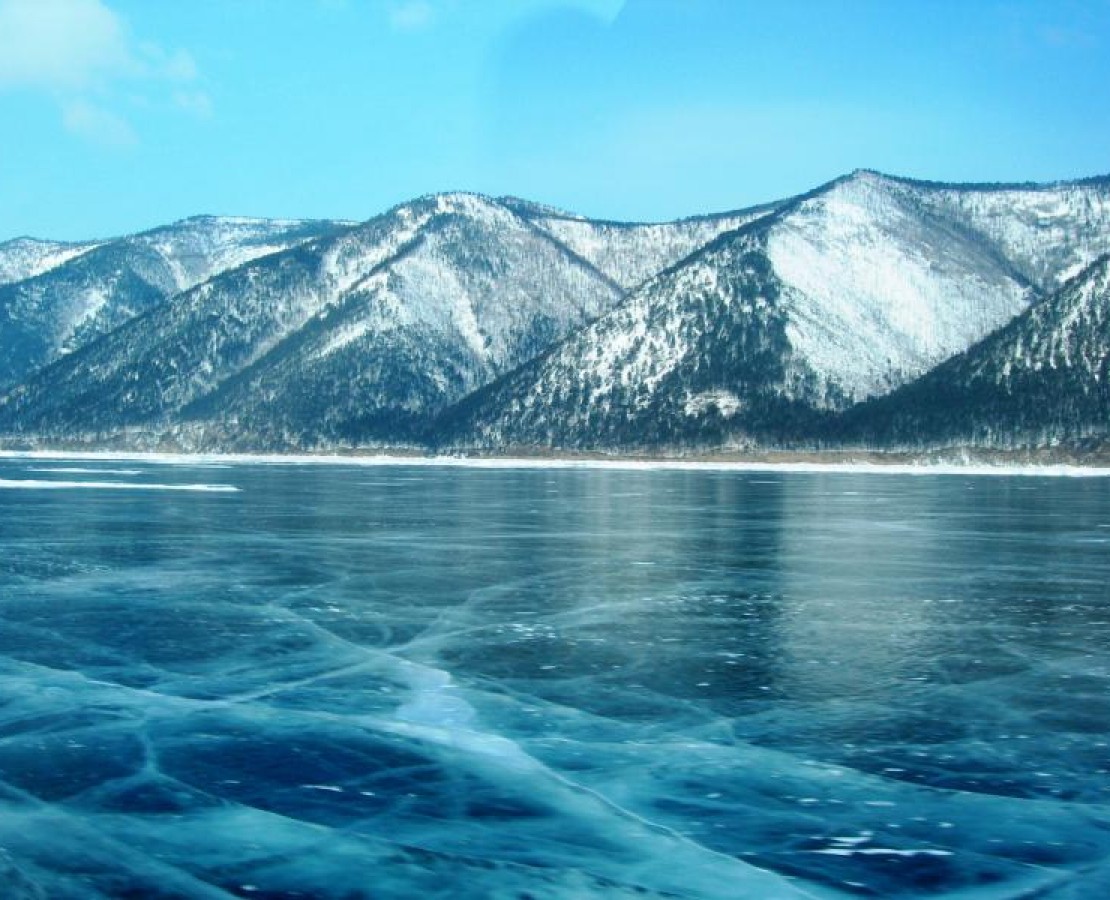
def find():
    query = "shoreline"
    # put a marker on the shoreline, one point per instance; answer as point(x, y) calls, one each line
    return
point(781, 463)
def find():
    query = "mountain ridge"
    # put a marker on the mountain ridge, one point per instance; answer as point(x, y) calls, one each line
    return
point(62, 306)
point(464, 322)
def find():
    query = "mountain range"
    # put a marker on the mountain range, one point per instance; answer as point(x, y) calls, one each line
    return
point(872, 314)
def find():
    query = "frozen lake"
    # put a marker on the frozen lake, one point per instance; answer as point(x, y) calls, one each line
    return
point(269, 680)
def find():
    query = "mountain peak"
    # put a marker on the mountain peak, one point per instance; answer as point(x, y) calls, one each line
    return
point(453, 201)
point(530, 208)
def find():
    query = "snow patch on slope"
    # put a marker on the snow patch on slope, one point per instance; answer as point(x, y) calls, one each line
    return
point(480, 275)
point(92, 302)
point(24, 258)
point(1051, 232)
point(873, 297)
point(630, 254)
point(342, 338)
point(197, 249)
point(354, 256)
point(725, 402)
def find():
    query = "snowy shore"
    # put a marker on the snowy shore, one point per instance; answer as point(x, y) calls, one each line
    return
point(708, 464)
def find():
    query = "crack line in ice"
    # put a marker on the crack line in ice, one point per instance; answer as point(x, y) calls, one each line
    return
point(279, 687)
point(54, 819)
point(434, 714)
point(444, 627)
point(881, 851)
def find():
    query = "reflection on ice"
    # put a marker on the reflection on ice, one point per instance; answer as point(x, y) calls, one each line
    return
point(467, 684)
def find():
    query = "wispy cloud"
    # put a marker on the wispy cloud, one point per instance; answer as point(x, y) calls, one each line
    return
point(411, 15)
point(60, 44)
point(97, 125)
point(196, 102)
point(605, 10)
point(178, 65)
point(78, 53)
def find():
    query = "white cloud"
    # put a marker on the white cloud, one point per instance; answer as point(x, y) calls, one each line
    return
point(196, 102)
point(605, 10)
point(80, 54)
point(176, 66)
point(411, 15)
point(100, 126)
point(60, 44)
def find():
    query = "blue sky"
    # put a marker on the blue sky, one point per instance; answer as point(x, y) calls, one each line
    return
point(118, 115)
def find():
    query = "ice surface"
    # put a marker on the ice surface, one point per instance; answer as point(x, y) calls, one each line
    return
point(445, 681)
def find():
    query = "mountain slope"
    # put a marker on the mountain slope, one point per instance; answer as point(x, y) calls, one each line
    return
point(460, 321)
point(1043, 380)
point(477, 294)
point(76, 294)
point(439, 295)
point(1047, 232)
point(841, 295)
point(630, 253)
point(26, 257)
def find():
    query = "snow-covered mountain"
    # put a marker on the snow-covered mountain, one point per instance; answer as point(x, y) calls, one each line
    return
point(459, 321)
point(1049, 233)
point(343, 337)
point(632, 252)
point(72, 293)
point(26, 257)
point(841, 295)
point(475, 293)
point(1041, 381)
